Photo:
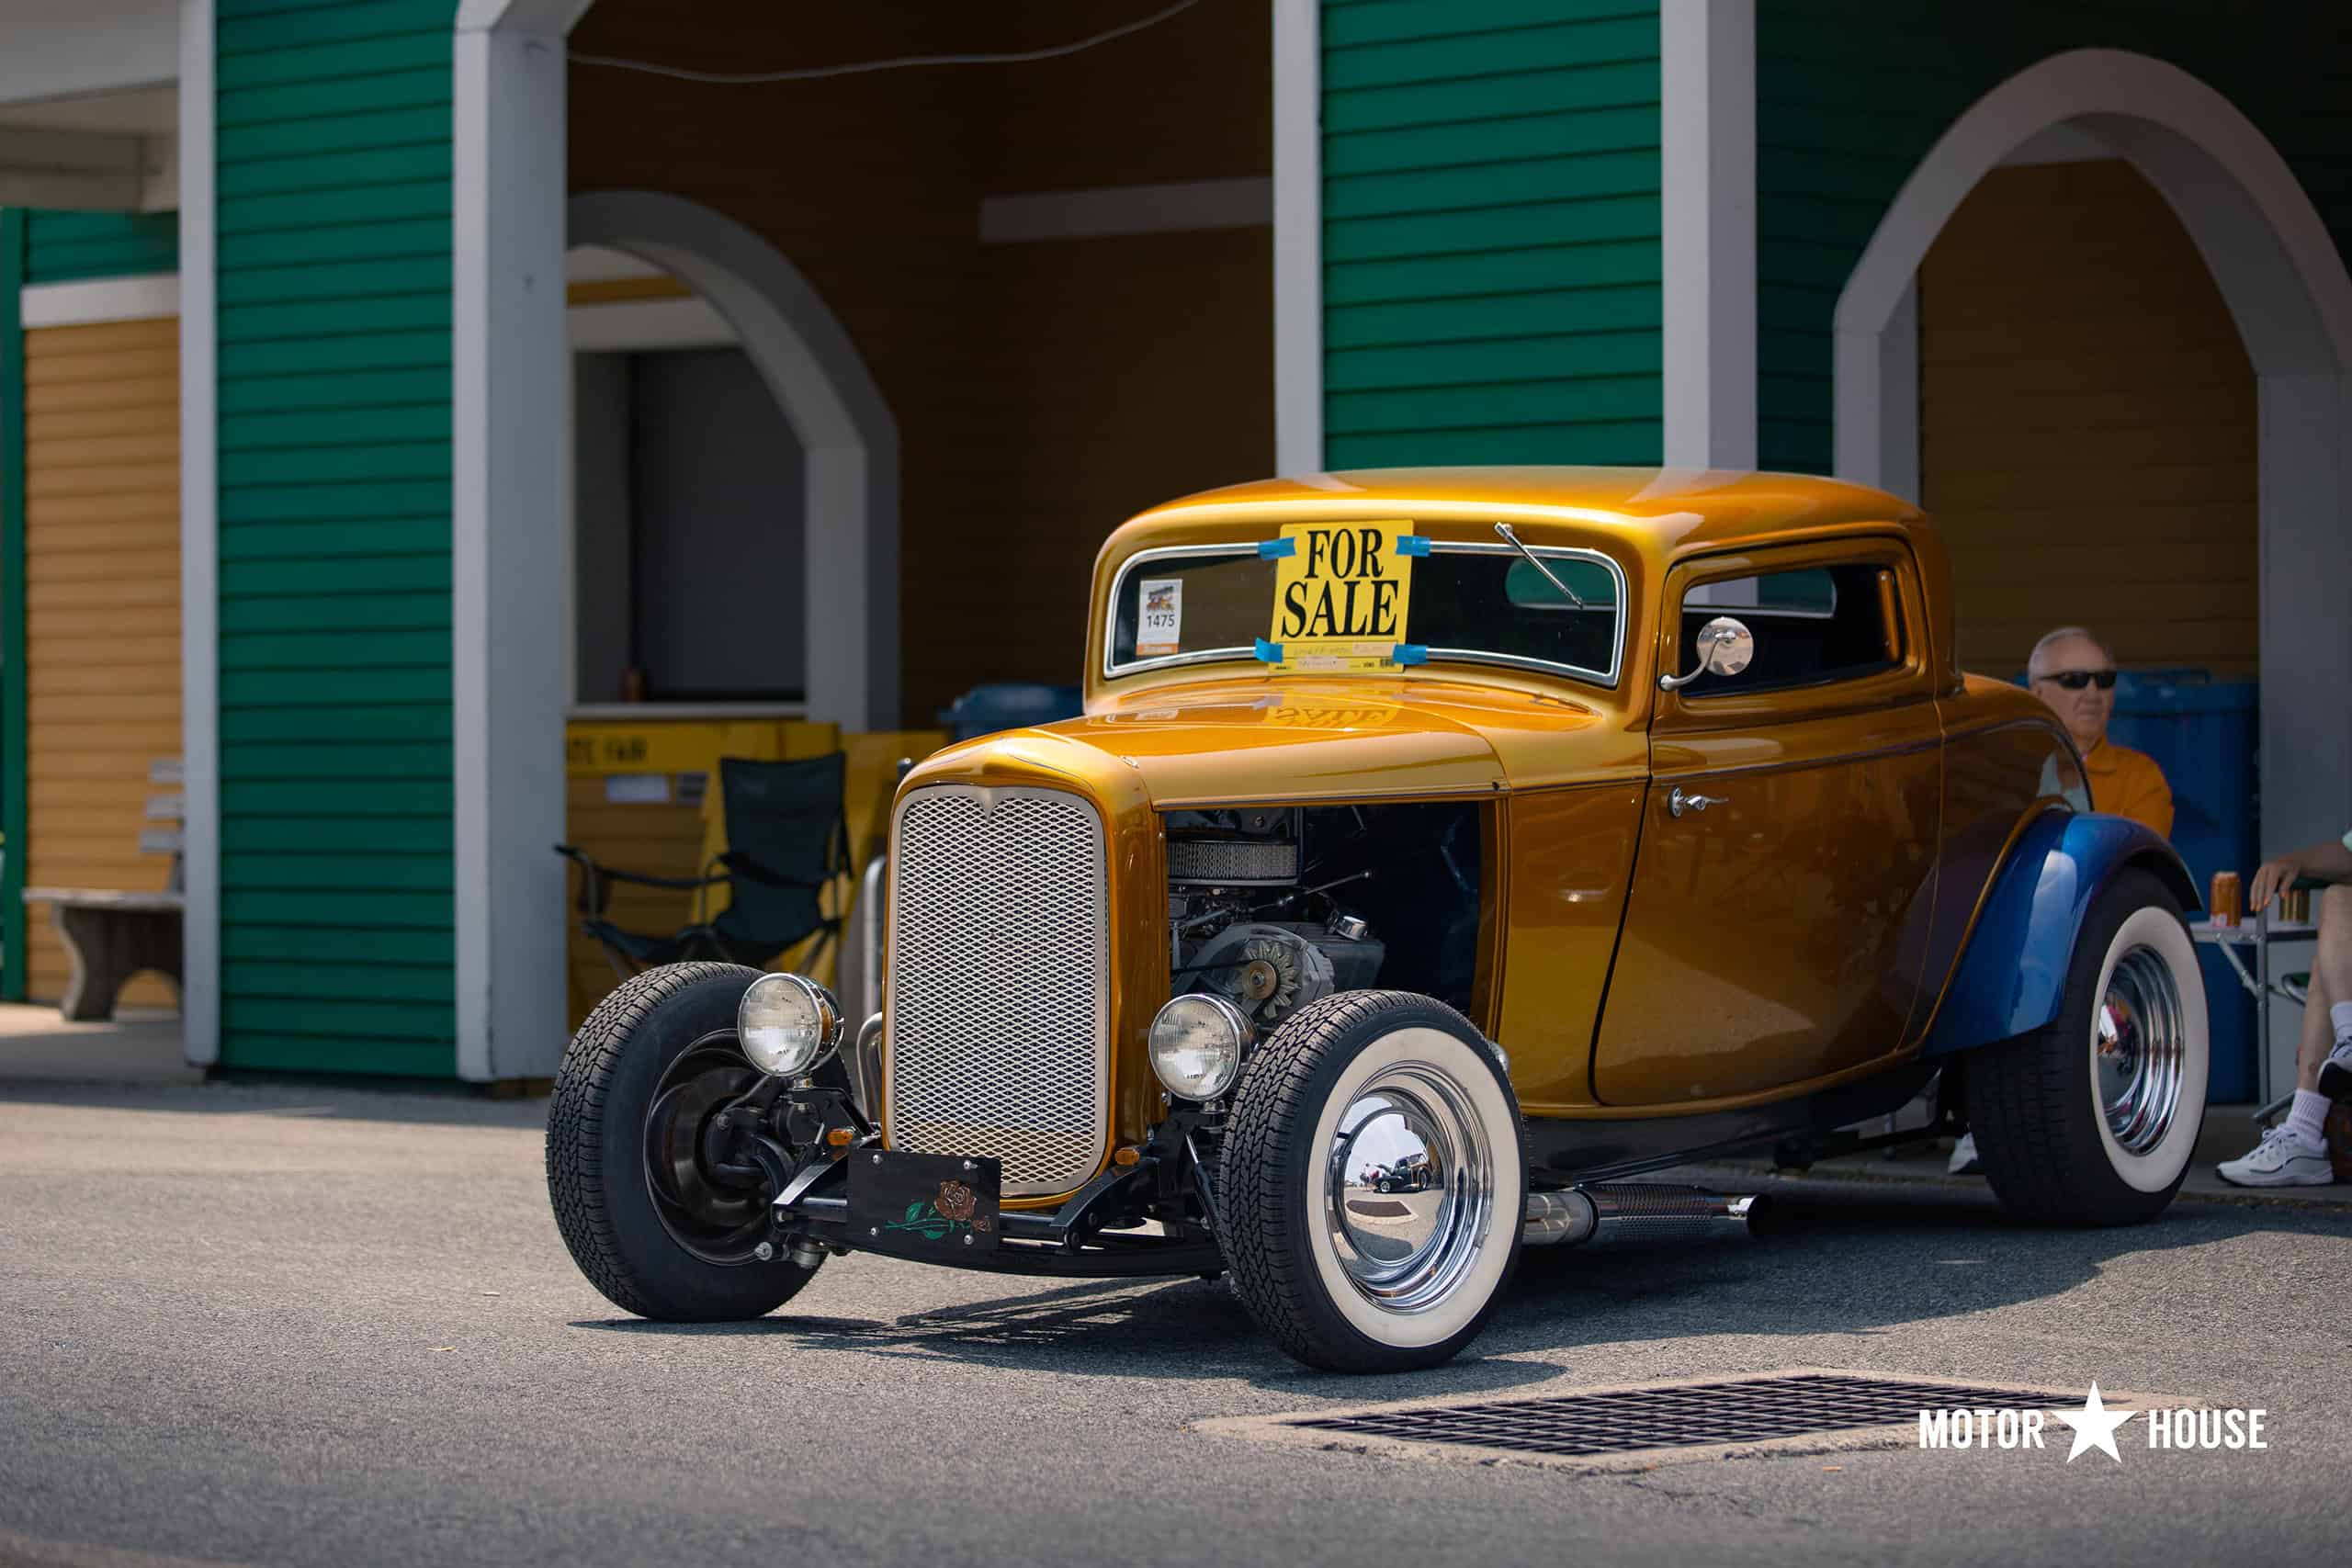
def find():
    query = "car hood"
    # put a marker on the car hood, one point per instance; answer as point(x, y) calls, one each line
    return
point(1298, 740)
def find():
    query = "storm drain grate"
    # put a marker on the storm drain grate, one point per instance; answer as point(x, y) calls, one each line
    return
point(1689, 1416)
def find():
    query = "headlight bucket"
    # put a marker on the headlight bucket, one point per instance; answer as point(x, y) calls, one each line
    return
point(786, 1024)
point(1197, 1044)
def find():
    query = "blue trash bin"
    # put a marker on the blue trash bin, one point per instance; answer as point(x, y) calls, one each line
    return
point(2203, 733)
point(1009, 704)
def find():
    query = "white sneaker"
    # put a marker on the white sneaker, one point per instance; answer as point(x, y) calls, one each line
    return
point(2283, 1159)
point(2336, 1073)
point(1963, 1157)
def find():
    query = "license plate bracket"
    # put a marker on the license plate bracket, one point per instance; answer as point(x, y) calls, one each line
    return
point(902, 1201)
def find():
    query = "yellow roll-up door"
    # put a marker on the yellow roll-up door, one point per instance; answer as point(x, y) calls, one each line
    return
point(102, 617)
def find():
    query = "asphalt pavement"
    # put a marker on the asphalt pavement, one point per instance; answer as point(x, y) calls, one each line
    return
point(280, 1324)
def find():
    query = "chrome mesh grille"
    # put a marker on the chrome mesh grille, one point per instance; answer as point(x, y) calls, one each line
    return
point(998, 1002)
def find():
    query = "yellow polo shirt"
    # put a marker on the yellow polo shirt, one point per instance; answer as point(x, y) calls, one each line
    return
point(2129, 783)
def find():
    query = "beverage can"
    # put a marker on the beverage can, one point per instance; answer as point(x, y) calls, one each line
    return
point(2296, 904)
point(2227, 902)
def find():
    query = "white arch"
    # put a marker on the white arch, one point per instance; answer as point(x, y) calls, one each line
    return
point(2257, 231)
point(835, 410)
point(2288, 290)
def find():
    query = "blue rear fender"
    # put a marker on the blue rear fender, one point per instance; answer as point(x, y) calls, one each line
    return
point(2012, 975)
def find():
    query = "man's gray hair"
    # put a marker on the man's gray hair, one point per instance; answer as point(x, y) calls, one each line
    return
point(2035, 666)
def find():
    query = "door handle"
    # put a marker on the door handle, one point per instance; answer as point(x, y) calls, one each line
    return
point(1679, 802)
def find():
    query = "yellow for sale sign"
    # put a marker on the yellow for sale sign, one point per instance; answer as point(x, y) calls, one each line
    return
point(1342, 592)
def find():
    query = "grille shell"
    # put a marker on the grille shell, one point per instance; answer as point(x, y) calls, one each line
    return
point(998, 996)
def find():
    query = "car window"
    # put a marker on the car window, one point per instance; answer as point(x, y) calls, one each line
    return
point(1471, 603)
point(1814, 626)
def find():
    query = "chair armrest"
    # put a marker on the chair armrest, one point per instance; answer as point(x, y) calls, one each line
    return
point(743, 865)
point(592, 888)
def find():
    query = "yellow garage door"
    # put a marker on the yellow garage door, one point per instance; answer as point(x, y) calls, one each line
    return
point(102, 617)
point(2087, 425)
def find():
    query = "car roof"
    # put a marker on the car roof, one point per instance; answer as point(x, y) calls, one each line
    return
point(1668, 512)
point(1650, 519)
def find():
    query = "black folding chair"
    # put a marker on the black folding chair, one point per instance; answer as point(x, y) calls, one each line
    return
point(787, 841)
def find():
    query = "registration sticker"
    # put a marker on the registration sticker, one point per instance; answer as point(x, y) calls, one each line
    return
point(1161, 629)
point(1342, 592)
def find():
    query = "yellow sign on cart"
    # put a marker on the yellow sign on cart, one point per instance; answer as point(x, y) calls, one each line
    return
point(1342, 593)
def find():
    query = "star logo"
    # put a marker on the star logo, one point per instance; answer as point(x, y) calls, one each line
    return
point(2093, 1426)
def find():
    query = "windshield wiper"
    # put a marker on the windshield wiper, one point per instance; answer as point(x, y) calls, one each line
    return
point(1537, 562)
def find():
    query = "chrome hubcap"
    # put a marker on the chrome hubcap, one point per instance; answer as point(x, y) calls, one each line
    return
point(2139, 1047)
point(1408, 1189)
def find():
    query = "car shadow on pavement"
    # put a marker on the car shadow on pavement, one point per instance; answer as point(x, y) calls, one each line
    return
point(1929, 1254)
point(1181, 1329)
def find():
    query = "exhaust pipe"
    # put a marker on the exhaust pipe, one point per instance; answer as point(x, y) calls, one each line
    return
point(1635, 1214)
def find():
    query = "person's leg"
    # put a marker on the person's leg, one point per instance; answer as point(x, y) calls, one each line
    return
point(2324, 1062)
point(2318, 1028)
point(2294, 1152)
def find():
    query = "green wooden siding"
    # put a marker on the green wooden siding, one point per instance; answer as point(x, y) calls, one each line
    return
point(66, 247)
point(333, 201)
point(1851, 94)
point(1490, 231)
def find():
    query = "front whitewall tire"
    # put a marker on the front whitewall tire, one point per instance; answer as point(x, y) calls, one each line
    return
point(1342, 1277)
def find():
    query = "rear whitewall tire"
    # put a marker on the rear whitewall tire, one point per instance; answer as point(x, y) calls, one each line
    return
point(2038, 1104)
point(2160, 1166)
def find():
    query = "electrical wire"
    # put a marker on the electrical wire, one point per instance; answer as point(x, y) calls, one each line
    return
point(817, 72)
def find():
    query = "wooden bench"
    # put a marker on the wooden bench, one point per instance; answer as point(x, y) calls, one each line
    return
point(109, 937)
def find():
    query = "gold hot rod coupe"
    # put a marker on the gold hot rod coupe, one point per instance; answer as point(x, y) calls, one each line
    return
point(1437, 848)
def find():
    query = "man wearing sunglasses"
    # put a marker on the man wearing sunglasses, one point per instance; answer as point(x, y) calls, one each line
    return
point(2074, 674)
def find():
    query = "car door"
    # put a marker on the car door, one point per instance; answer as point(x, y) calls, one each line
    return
point(1785, 873)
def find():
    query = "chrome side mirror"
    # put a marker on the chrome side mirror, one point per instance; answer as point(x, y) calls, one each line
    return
point(1726, 647)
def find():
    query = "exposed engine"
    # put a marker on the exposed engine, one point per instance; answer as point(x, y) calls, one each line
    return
point(1244, 922)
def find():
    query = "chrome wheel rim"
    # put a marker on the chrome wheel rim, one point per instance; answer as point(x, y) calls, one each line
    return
point(1411, 1130)
point(2139, 1050)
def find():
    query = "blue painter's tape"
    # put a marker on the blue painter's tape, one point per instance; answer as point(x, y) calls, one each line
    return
point(1270, 653)
point(1268, 550)
point(1412, 543)
point(1410, 653)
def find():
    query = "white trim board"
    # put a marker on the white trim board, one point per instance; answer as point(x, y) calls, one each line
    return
point(646, 325)
point(510, 675)
point(1707, 214)
point(1176, 208)
point(1298, 236)
point(193, 293)
point(143, 299)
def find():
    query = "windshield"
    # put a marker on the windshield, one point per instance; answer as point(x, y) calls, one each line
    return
point(1470, 603)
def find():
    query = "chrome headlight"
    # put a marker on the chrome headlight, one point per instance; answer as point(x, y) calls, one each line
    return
point(1196, 1045)
point(786, 1024)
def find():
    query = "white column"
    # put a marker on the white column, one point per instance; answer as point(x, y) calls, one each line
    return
point(1707, 89)
point(512, 411)
point(1298, 236)
point(199, 548)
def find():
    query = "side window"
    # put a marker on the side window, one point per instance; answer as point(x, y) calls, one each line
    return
point(1813, 625)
